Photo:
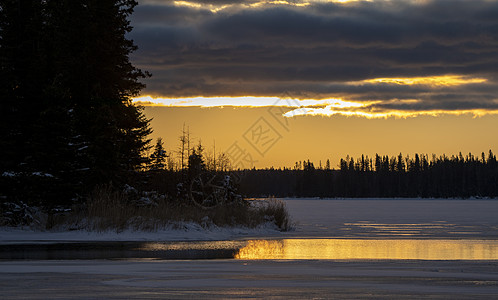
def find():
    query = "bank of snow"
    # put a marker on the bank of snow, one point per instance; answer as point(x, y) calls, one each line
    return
point(178, 232)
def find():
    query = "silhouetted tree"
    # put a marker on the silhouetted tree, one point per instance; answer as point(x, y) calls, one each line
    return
point(66, 84)
point(159, 156)
point(196, 163)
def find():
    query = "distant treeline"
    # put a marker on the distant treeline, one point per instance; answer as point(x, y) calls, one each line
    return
point(380, 176)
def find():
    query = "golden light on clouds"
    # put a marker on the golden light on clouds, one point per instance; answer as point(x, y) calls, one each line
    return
point(279, 2)
point(247, 101)
point(445, 80)
point(330, 111)
point(216, 8)
point(193, 4)
point(371, 109)
point(314, 107)
point(188, 3)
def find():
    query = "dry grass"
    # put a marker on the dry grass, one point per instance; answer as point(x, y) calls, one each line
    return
point(276, 210)
point(111, 209)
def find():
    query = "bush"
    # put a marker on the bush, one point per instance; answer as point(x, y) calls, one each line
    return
point(275, 210)
point(111, 209)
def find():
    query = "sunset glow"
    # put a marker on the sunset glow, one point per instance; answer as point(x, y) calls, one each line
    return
point(446, 80)
point(248, 101)
point(279, 2)
point(331, 111)
point(214, 8)
point(311, 107)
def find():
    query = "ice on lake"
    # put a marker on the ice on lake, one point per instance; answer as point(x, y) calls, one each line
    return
point(394, 218)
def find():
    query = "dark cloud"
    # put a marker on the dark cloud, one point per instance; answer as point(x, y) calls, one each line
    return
point(318, 50)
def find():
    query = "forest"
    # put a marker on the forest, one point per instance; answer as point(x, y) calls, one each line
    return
point(382, 176)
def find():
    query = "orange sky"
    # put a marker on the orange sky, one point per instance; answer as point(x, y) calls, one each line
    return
point(321, 138)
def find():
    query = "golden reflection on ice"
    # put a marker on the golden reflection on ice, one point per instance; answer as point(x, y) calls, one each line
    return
point(370, 249)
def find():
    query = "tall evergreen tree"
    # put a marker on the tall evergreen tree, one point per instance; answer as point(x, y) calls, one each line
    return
point(66, 88)
point(159, 156)
point(196, 163)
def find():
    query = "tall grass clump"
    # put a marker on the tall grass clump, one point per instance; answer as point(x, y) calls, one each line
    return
point(275, 211)
point(111, 209)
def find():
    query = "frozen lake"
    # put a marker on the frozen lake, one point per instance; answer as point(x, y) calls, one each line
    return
point(394, 218)
point(376, 248)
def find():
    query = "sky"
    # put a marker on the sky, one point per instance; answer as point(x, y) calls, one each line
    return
point(274, 82)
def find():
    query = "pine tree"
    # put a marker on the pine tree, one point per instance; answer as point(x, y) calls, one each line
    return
point(196, 163)
point(66, 84)
point(159, 156)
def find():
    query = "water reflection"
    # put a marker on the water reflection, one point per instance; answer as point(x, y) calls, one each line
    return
point(349, 249)
point(370, 249)
point(195, 245)
point(122, 250)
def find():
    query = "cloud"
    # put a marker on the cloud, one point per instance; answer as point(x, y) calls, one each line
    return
point(277, 48)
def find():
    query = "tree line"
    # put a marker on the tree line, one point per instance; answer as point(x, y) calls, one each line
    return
point(381, 176)
point(424, 176)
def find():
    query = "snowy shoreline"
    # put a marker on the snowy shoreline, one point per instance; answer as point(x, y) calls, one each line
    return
point(317, 218)
point(189, 232)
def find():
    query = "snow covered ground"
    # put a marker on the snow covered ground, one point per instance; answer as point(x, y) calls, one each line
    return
point(186, 232)
point(302, 278)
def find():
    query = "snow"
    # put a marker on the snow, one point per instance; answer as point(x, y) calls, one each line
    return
point(42, 174)
point(9, 174)
point(180, 232)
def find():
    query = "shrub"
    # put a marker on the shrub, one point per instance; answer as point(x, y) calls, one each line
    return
point(109, 208)
point(275, 210)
